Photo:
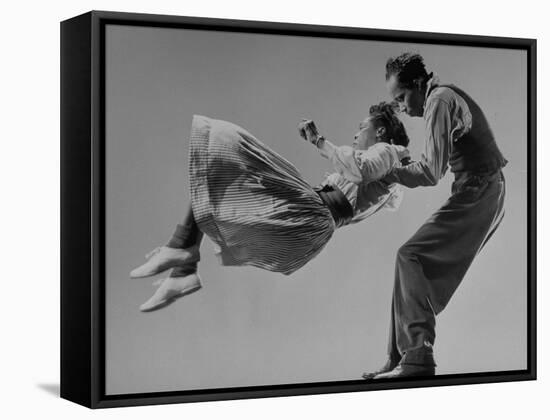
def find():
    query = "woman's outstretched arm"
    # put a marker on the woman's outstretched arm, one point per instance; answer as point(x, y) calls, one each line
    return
point(355, 165)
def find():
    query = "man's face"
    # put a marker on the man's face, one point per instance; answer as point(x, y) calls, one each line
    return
point(410, 100)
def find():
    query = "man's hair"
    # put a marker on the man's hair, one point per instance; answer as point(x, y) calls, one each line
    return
point(407, 67)
point(384, 115)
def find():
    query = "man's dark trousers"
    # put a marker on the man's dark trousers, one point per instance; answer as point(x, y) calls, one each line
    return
point(430, 266)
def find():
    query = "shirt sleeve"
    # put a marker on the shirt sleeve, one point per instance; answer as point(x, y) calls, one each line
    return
point(363, 165)
point(376, 196)
point(395, 198)
point(434, 161)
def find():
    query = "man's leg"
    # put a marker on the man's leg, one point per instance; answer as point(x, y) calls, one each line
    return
point(393, 354)
point(429, 268)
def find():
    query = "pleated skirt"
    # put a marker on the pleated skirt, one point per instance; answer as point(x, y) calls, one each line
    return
point(251, 202)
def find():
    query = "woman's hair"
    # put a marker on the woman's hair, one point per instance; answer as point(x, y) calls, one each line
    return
point(383, 115)
point(407, 67)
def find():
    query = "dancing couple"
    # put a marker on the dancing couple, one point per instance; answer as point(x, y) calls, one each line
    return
point(257, 209)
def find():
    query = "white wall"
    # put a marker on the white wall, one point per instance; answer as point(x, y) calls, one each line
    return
point(30, 179)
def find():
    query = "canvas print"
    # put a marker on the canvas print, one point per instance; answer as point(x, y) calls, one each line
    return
point(284, 209)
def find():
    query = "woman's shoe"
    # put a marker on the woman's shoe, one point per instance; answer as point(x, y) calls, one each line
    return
point(171, 289)
point(163, 258)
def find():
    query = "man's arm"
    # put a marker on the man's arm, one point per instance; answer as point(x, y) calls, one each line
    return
point(433, 163)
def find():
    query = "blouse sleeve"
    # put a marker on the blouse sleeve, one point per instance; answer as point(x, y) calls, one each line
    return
point(376, 196)
point(363, 165)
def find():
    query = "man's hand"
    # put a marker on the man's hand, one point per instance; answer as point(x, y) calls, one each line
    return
point(308, 131)
point(391, 178)
point(402, 152)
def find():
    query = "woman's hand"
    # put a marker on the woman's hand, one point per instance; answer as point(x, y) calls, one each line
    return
point(308, 131)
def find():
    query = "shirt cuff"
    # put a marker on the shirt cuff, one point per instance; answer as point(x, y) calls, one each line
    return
point(326, 148)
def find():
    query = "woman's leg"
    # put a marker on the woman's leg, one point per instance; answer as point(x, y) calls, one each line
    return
point(187, 233)
point(183, 279)
point(181, 252)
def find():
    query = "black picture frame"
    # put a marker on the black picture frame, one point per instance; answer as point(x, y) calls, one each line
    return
point(83, 207)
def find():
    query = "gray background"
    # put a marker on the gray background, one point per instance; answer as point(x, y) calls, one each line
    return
point(329, 320)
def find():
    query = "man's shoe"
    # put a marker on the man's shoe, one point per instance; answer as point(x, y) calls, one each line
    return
point(407, 370)
point(164, 258)
point(171, 289)
point(389, 366)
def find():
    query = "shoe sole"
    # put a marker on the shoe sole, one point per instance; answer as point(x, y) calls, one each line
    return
point(151, 273)
point(172, 299)
point(412, 375)
point(370, 376)
point(165, 267)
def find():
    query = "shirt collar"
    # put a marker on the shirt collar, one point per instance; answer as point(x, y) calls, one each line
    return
point(432, 83)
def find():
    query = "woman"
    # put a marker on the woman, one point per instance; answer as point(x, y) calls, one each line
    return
point(255, 206)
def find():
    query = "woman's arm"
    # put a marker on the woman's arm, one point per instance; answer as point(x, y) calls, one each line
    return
point(356, 165)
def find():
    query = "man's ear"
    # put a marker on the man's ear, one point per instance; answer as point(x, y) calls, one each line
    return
point(419, 83)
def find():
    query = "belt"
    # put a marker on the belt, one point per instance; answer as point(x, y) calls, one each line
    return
point(339, 206)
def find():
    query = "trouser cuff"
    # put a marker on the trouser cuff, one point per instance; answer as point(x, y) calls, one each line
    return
point(422, 356)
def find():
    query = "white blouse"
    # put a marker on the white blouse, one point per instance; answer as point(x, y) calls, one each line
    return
point(358, 172)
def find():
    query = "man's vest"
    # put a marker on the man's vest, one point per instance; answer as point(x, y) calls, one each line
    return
point(476, 151)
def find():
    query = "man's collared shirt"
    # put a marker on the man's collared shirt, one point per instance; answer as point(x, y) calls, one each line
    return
point(447, 118)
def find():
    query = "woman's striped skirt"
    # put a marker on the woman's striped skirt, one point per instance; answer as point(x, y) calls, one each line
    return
point(251, 202)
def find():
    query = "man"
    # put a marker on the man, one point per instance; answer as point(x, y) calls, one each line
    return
point(430, 266)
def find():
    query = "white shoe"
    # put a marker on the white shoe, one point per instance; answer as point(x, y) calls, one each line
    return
point(163, 258)
point(171, 289)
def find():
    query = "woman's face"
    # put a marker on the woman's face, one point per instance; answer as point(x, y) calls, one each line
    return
point(366, 136)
